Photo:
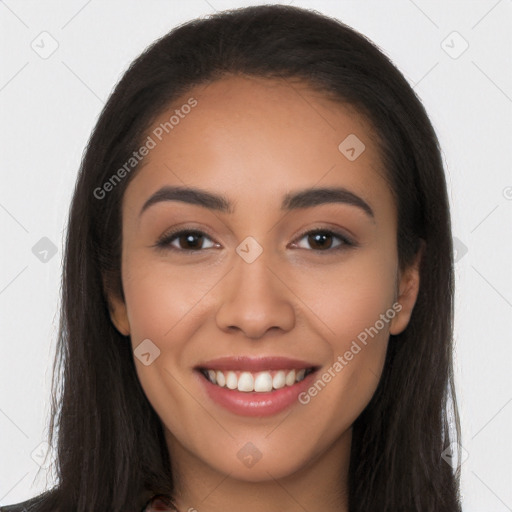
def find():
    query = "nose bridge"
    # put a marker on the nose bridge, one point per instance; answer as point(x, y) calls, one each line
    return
point(252, 277)
point(253, 299)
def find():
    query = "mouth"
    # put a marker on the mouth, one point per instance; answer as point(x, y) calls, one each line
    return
point(255, 387)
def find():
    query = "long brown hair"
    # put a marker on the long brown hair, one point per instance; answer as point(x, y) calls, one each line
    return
point(111, 450)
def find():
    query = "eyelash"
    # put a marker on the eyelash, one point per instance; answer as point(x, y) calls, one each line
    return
point(164, 242)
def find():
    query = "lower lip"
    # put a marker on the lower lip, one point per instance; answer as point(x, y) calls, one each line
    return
point(253, 403)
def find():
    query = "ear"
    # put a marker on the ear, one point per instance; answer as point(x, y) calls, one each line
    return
point(408, 288)
point(117, 309)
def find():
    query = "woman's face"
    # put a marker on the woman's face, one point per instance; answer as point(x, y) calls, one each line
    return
point(270, 282)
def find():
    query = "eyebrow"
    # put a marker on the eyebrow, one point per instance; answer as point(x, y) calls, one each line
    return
point(305, 198)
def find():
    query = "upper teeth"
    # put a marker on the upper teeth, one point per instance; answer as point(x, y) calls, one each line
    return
point(260, 382)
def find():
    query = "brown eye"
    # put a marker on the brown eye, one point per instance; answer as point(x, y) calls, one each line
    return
point(186, 241)
point(320, 241)
point(323, 240)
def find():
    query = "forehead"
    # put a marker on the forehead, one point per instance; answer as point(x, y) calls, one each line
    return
point(254, 139)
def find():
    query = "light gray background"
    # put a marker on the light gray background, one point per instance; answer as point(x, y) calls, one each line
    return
point(48, 109)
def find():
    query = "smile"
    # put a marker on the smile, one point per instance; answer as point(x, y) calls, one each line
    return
point(258, 382)
point(249, 386)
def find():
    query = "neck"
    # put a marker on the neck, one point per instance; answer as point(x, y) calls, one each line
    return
point(320, 484)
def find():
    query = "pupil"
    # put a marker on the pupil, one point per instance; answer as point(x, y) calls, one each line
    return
point(190, 240)
point(319, 239)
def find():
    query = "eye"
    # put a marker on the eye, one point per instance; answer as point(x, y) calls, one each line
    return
point(321, 240)
point(186, 240)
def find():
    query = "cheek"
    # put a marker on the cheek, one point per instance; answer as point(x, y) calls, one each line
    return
point(159, 297)
point(347, 298)
point(166, 304)
point(157, 301)
point(353, 309)
point(357, 341)
point(162, 305)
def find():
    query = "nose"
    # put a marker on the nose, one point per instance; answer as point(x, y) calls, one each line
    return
point(255, 299)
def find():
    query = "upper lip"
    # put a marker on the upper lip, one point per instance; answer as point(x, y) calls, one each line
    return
point(253, 364)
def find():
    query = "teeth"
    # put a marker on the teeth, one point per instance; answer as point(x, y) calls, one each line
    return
point(260, 382)
point(279, 380)
point(246, 382)
point(231, 380)
point(290, 378)
point(221, 380)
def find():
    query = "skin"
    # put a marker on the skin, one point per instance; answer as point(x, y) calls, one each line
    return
point(253, 140)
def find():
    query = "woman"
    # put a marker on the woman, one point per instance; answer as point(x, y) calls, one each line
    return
point(258, 282)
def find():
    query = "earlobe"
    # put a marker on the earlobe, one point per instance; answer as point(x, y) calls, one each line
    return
point(408, 289)
point(117, 311)
point(119, 318)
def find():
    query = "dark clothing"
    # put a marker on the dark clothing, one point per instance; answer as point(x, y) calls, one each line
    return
point(35, 504)
point(27, 506)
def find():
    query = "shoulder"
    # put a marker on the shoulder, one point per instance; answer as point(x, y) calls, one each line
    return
point(32, 504)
